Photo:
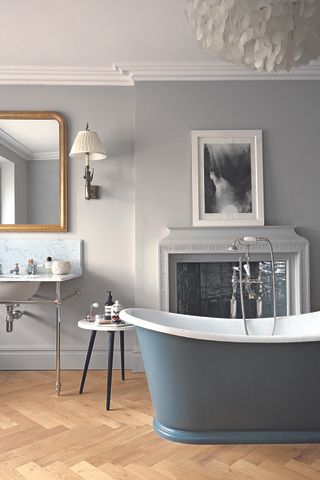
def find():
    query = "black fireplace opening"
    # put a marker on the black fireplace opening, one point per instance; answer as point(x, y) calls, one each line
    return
point(205, 289)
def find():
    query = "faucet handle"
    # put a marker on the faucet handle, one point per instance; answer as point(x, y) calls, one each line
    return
point(15, 270)
point(246, 267)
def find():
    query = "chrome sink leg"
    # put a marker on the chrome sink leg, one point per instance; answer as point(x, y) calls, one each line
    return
point(58, 322)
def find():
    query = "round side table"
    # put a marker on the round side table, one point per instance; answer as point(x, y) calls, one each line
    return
point(111, 329)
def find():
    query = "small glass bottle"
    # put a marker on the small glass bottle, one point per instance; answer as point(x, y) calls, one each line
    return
point(48, 265)
point(116, 308)
point(91, 315)
point(30, 266)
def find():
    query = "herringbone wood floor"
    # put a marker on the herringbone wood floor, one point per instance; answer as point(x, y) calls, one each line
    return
point(72, 437)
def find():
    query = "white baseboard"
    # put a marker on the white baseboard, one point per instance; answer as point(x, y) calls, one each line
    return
point(43, 358)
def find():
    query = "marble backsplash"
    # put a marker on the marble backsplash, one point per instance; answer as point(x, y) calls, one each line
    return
point(20, 250)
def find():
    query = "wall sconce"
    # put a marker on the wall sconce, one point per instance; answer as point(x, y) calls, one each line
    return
point(89, 146)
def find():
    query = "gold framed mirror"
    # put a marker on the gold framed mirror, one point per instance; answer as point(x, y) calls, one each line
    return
point(33, 171)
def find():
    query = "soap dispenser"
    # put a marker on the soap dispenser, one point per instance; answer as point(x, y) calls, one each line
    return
point(108, 306)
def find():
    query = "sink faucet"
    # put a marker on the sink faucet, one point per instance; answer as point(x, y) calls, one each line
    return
point(16, 270)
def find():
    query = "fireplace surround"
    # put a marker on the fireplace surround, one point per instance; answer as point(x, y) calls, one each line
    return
point(206, 244)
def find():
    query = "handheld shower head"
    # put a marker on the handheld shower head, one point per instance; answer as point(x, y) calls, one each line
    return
point(250, 239)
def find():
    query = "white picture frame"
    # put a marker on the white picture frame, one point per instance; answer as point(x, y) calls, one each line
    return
point(227, 178)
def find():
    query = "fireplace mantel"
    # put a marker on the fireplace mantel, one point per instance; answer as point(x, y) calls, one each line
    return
point(214, 241)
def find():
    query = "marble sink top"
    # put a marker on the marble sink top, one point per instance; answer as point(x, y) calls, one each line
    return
point(39, 277)
point(17, 288)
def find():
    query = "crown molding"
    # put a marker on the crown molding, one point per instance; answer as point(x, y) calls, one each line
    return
point(45, 156)
point(22, 151)
point(44, 75)
point(128, 73)
point(16, 147)
point(209, 71)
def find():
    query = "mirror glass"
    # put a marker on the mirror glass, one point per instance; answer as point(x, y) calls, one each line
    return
point(33, 169)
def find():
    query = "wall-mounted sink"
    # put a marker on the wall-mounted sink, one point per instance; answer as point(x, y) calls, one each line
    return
point(14, 291)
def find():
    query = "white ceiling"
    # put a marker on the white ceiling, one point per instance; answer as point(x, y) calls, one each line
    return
point(31, 139)
point(37, 135)
point(95, 32)
point(89, 37)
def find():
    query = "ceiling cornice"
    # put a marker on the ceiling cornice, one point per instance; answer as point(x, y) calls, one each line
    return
point(45, 156)
point(24, 152)
point(14, 145)
point(126, 74)
point(211, 71)
point(39, 75)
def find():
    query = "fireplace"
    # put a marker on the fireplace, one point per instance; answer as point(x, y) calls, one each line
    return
point(196, 268)
point(204, 288)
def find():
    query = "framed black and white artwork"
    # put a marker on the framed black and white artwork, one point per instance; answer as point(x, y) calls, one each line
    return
point(227, 178)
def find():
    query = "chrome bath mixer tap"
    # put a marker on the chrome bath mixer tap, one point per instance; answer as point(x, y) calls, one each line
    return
point(246, 282)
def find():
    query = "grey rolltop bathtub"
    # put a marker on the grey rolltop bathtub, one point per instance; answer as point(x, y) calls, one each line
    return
point(212, 384)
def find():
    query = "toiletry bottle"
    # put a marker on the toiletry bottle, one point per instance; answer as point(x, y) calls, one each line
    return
point(91, 315)
point(108, 305)
point(116, 308)
point(30, 266)
point(48, 265)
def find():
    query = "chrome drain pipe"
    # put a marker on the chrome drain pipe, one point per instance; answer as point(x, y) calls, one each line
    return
point(12, 314)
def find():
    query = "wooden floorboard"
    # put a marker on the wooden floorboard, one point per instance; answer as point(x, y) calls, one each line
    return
point(73, 437)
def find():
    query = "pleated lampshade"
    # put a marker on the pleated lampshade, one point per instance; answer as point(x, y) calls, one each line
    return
point(87, 142)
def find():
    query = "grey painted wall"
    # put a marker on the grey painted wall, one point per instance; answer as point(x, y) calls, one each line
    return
point(288, 112)
point(43, 191)
point(146, 186)
point(7, 187)
point(20, 184)
point(106, 225)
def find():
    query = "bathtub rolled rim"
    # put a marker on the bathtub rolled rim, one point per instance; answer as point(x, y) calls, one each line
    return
point(129, 315)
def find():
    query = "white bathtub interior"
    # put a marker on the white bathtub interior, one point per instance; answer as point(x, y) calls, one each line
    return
point(294, 328)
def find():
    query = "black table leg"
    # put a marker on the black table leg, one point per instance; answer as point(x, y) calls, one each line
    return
point(122, 355)
point(86, 365)
point(110, 365)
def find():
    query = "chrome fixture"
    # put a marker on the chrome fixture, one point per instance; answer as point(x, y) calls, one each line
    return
point(89, 146)
point(233, 247)
point(13, 314)
point(247, 281)
point(16, 269)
